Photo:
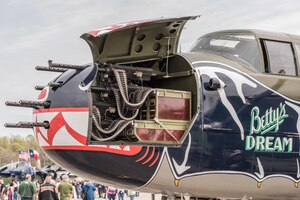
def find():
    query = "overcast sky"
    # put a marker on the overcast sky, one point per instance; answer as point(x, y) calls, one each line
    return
point(32, 31)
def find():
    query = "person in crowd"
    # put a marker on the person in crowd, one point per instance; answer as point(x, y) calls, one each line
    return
point(111, 193)
point(89, 189)
point(15, 188)
point(120, 194)
point(51, 175)
point(58, 181)
point(27, 189)
point(74, 190)
point(65, 189)
point(78, 189)
point(2, 188)
point(131, 194)
point(98, 187)
point(48, 190)
point(104, 189)
point(10, 192)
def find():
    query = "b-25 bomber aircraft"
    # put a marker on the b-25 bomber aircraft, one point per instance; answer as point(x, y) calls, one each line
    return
point(220, 121)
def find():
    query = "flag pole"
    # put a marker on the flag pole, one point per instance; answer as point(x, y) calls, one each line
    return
point(29, 157)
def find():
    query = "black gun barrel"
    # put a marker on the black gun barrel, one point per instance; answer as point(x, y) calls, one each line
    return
point(46, 104)
point(48, 69)
point(28, 125)
point(100, 89)
point(17, 104)
point(39, 87)
point(66, 66)
point(54, 85)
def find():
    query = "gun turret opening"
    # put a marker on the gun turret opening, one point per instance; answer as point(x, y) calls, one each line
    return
point(138, 103)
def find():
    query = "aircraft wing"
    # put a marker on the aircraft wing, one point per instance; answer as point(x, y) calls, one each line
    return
point(140, 40)
point(4, 172)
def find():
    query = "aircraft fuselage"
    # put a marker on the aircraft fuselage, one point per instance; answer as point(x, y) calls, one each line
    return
point(219, 121)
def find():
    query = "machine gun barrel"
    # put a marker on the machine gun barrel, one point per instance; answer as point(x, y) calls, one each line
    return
point(54, 85)
point(39, 87)
point(53, 69)
point(17, 104)
point(45, 104)
point(108, 89)
point(100, 89)
point(28, 125)
point(66, 66)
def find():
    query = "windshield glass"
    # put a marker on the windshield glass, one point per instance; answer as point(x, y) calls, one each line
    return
point(240, 47)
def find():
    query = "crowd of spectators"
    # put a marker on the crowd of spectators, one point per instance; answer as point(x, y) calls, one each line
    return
point(61, 189)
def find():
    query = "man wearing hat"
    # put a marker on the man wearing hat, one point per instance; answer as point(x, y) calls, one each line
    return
point(65, 189)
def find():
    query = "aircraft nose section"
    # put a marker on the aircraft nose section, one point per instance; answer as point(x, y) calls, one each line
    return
point(126, 165)
point(70, 89)
point(69, 94)
point(68, 112)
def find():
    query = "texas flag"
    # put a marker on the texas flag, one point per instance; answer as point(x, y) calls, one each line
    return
point(34, 154)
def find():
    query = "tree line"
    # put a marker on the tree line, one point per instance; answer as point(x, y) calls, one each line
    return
point(11, 145)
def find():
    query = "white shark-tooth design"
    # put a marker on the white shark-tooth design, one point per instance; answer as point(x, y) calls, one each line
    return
point(238, 80)
point(297, 109)
point(183, 167)
point(261, 173)
point(298, 169)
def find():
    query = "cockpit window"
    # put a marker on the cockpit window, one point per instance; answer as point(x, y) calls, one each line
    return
point(280, 58)
point(298, 51)
point(22, 165)
point(224, 43)
point(240, 47)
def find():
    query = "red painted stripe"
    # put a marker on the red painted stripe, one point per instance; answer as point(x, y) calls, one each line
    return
point(39, 132)
point(133, 149)
point(151, 156)
point(144, 156)
point(83, 109)
point(153, 163)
